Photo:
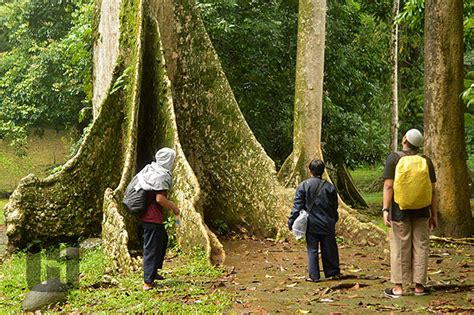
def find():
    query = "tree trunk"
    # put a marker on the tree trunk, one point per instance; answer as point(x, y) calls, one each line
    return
point(346, 188)
point(308, 92)
point(106, 49)
point(444, 121)
point(394, 78)
point(308, 115)
point(167, 89)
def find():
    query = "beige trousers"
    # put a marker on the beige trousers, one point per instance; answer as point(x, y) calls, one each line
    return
point(409, 250)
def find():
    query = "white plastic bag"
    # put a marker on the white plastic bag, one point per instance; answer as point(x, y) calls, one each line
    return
point(300, 224)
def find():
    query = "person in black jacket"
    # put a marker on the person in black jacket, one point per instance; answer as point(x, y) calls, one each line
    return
point(319, 198)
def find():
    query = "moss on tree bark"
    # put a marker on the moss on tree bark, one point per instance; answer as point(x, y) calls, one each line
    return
point(167, 89)
point(444, 115)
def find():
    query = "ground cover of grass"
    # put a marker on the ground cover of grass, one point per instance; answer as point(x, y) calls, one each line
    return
point(188, 288)
point(42, 153)
point(368, 181)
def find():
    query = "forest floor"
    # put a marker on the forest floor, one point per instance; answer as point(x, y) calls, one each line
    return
point(269, 277)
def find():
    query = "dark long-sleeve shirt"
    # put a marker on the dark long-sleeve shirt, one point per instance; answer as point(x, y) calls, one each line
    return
point(322, 209)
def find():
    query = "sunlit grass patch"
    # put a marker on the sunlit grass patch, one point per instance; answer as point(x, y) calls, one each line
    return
point(188, 287)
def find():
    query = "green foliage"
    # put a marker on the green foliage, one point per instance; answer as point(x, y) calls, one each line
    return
point(45, 66)
point(413, 14)
point(219, 226)
point(185, 291)
point(122, 81)
point(411, 20)
point(256, 42)
point(170, 226)
point(356, 86)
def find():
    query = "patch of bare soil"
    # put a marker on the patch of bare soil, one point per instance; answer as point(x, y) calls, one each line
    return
point(269, 277)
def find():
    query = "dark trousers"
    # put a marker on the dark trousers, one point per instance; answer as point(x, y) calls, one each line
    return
point(329, 255)
point(155, 241)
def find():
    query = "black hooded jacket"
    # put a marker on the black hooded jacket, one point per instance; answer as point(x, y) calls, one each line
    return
point(322, 208)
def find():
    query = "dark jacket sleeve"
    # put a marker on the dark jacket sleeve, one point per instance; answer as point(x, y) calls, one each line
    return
point(298, 205)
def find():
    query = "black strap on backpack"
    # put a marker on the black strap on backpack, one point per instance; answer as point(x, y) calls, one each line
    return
point(316, 194)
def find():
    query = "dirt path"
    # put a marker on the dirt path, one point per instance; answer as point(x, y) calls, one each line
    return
point(269, 277)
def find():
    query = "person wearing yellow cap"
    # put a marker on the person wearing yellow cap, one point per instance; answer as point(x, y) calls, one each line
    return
point(409, 210)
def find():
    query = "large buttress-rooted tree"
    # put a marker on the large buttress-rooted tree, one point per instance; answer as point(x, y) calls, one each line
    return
point(166, 87)
point(444, 120)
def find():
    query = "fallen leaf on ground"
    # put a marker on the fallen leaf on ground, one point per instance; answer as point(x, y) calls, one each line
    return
point(327, 300)
point(268, 276)
point(355, 287)
point(279, 289)
point(291, 285)
point(437, 272)
point(302, 311)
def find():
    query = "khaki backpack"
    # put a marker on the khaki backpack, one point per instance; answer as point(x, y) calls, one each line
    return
point(412, 183)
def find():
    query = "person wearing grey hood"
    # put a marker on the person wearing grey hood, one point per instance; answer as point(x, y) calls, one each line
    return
point(157, 180)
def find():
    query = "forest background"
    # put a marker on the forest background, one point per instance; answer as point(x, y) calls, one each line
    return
point(46, 90)
point(46, 68)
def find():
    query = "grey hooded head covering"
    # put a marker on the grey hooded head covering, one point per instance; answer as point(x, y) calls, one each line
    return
point(157, 175)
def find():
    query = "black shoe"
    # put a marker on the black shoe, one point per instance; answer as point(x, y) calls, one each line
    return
point(159, 277)
point(389, 293)
point(336, 277)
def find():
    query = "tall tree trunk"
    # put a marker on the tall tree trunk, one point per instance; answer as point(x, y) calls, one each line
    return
point(394, 78)
point(444, 121)
point(106, 49)
point(308, 91)
point(308, 113)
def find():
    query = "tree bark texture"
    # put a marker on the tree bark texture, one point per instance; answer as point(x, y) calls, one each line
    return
point(308, 116)
point(308, 92)
point(106, 48)
point(167, 89)
point(394, 78)
point(444, 121)
point(346, 188)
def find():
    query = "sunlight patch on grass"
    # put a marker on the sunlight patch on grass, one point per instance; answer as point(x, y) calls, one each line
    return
point(187, 288)
point(42, 152)
point(373, 199)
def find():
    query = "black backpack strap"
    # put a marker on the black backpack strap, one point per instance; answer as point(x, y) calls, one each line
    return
point(316, 194)
point(400, 154)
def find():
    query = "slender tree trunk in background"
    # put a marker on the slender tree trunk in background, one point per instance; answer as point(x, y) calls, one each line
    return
point(308, 91)
point(394, 62)
point(444, 120)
